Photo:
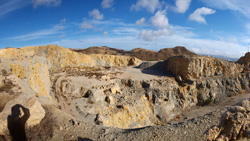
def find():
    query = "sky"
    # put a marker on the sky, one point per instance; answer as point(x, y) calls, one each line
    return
point(216, 27)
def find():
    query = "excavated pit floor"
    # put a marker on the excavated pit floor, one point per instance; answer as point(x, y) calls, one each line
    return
point(76, 107)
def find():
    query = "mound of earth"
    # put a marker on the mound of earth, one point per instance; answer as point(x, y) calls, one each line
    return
point(54, 93)
point(140, 53)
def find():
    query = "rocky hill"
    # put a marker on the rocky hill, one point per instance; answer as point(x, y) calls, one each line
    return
point(53, 93)
point(140, 53)
point(245, 60)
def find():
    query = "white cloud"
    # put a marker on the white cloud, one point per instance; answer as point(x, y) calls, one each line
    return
point(242, 6)
point(198, 14)
point(37, 3)
point(86, 25)
point(12, 5)
point(95, 13)
point(141, 21)
point(182, 6)
point(105, 33)
point(107, 3)
point(151, 35)
point(59, 27)
point(150, 5)
point(36, 35)
point(160, 20)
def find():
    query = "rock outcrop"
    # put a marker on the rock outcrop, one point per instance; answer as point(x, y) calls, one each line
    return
point(195, 67)
point(245, 60)
point(234, 125)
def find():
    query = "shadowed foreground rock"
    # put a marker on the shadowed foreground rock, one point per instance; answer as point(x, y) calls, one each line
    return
point(234, 125)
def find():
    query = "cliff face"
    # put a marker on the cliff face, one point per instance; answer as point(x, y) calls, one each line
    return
point(58, 57)
point(194, 67)
point(36, 63)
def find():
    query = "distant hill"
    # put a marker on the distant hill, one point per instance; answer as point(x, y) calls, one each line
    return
point(141, 53)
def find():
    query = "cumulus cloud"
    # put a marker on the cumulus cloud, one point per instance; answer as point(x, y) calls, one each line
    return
point(37, 3)
point(152, 35)
point(160, 20)
point(95, 13)
point(150, 5)
point(86, 25)
point(182, 6)
point(141, 21)
point(107, 3)
point(199, 14)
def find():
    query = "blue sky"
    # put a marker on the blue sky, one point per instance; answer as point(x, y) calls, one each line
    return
point(219, 27)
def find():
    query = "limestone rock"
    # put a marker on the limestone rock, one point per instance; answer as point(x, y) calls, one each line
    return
point(21, 106)
point(18, 70)
point(36, 63)
point(234, 125)
point(194, 67)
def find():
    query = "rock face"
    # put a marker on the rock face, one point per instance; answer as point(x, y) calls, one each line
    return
point(195, 67)
point(25, 80)
point(128, 103)
point(35, 64)
point(234, 125)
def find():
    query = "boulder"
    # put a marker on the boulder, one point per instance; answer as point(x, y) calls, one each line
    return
point(24, 109)
point(234, 125)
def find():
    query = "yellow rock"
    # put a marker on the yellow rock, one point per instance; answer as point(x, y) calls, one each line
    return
point(35, 63)
point(39, 79)
point(18, 70)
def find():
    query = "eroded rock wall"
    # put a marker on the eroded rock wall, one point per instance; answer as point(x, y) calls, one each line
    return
point(34, 64)
point(195, 67)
